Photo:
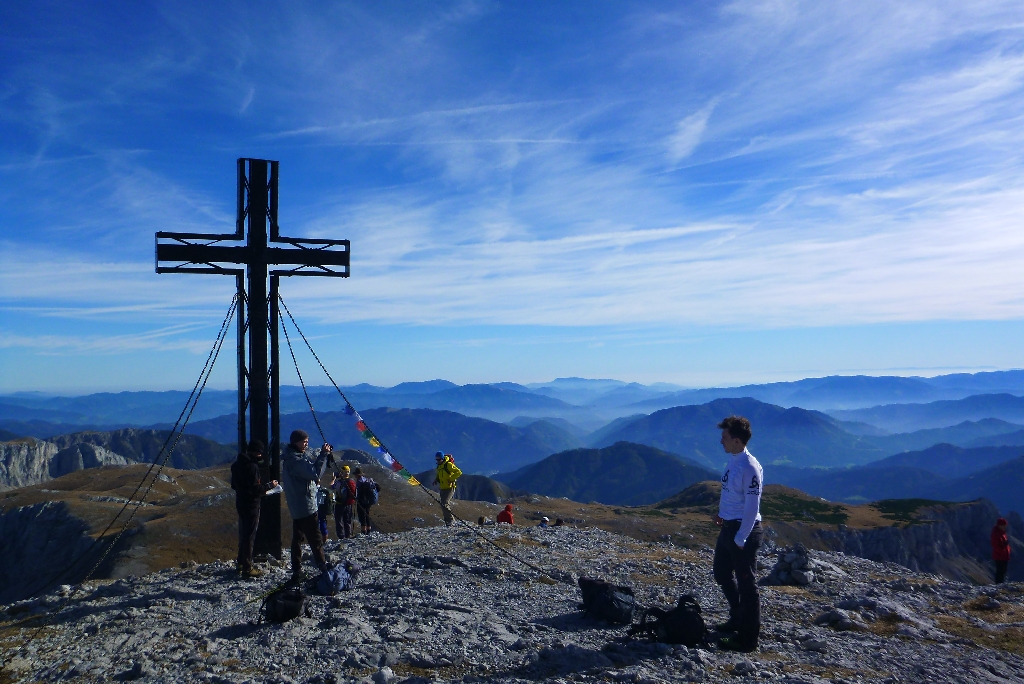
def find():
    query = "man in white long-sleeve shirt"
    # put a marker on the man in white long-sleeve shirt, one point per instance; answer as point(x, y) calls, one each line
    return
point(736, 551)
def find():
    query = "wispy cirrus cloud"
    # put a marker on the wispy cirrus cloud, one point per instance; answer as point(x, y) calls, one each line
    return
point(689, 133)
point(770, 163)
point(166, 339)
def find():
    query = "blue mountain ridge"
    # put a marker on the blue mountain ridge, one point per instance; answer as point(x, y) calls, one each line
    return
point(938, 414)
point(792, 436)
point(621, 474)
point(414, 435)
point(586, 402)
point(943, 472)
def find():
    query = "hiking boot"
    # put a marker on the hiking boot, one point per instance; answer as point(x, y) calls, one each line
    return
point(251, 573)
point(729, 625)
point(297, 577)
point(736, 644)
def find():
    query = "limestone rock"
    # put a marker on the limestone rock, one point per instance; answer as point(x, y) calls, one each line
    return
point(25, 462)
point(423, 612)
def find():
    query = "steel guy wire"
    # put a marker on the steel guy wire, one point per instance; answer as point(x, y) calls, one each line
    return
point(201, 384)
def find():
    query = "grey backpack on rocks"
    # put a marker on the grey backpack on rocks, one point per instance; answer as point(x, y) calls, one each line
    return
point(605, 601)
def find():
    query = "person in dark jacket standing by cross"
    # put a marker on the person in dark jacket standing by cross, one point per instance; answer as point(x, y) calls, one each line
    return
point(739, 516)
point(246, 480)
point(300, 473)
point(1000, 549)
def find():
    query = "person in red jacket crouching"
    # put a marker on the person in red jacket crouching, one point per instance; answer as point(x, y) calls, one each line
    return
point(1000, 549)
point(506, 515)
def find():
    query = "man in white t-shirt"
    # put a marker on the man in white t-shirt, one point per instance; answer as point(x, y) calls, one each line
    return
point(736, 551)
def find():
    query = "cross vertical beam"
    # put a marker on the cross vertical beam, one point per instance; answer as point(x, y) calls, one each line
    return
point(259, 384)
point(270, 534)
point(259, 387)
point(241, 360)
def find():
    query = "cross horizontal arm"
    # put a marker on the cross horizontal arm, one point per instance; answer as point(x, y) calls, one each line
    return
point(304, 257)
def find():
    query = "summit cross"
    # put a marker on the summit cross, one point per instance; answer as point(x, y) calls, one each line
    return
point(264, 255)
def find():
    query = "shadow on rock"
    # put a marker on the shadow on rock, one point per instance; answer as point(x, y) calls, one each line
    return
point(554, 661)
point(575, 622)
point(236, 631)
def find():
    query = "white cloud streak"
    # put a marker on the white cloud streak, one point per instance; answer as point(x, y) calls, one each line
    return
point(688, 135)
point(838, 163)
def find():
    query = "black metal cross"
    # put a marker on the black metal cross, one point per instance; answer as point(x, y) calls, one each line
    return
point(259, 381)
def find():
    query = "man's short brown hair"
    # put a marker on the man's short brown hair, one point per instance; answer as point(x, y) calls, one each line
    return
point(298, 436)
point(738, 427)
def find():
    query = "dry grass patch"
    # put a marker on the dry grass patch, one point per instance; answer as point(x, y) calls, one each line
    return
point(658, 556)
point(824, 672)
point(1005, 639)
point(653, 580)
point(407, 670)
point(1006, 612)
point(886, 625)
point(792, 590)
point(510, 542)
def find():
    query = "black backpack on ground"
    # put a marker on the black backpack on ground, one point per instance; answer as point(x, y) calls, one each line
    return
point(605, 601)
point(684, 624)
point(284, 604)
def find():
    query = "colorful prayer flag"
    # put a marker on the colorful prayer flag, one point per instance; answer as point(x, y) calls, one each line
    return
point(385, 456)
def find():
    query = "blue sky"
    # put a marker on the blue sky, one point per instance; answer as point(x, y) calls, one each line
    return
point(698, 193)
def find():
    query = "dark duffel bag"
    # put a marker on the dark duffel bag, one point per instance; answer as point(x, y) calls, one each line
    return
point(684, 624)
point(606, 601)
point(287, 603)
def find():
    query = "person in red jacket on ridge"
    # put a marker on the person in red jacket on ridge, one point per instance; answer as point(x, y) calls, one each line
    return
point(506, 515)
point(1000, 549)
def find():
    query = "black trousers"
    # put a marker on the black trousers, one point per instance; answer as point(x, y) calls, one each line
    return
point(248, 523)
point(363, 512)
point(307, 529)
point(1001, 571)
point(734, 570)
point(343, 520)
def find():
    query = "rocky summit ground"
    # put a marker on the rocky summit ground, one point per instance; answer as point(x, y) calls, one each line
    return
point(441, 604)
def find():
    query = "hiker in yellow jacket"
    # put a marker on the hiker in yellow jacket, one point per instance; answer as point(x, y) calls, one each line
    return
point(447, 474)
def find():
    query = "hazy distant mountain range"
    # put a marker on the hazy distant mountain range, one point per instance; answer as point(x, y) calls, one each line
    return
point(414, 435)
point(943, 472)
point(937, 414)
point(878, 437)
point(985, 432)
point(850, 392)
point(588, 404)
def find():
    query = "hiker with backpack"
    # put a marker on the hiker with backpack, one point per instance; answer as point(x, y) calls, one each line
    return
point(739, 517)
point(446, 476)
point(300, 475)
point(246, 480)
point(344, 502)
point(367, 495)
